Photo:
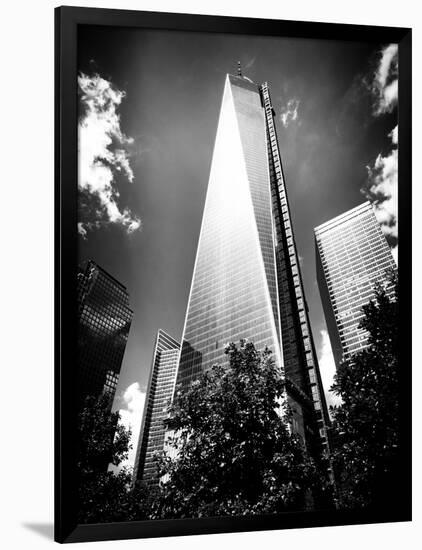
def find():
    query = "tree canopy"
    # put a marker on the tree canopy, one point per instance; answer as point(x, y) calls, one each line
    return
point(366, 425)
point(106, 496)
point(232, 451)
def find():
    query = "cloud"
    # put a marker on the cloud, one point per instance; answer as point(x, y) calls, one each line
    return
point(327, 368)
point(82, 231)
point(131, 417)
point(382, 184)
point(395, 253)
point(289, 113)
point(382, 188)
point(385, 85)
point(249, 63)
point(103, 155)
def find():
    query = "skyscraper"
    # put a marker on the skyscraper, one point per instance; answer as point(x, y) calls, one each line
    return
point(246, 281)
point(352, 254)
point(104, 322)
point(159, 394)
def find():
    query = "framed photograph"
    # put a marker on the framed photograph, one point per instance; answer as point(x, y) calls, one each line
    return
point(231, 195)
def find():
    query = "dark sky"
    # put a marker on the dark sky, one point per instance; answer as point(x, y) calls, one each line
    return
point(174, 84)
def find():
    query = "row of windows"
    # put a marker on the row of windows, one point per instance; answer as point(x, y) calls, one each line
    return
point(374, 259)
point(373, 255)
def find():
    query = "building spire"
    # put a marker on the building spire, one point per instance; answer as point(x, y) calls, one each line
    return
point(239, 69)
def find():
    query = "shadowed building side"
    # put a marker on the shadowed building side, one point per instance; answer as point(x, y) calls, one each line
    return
point(300, 359)
point(104, 319)
point(159, 394)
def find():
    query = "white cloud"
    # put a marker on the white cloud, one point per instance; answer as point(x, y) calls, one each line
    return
point(385, 86)
point(394, 134)
point(81, 230)
point(327, 368)
point(102, 148)
point(290, 112)
point(382, 185)
point(382, 188)
point(131, 417)
point(395, 253)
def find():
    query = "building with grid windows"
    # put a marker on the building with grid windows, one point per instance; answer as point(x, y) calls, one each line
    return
point(104, 321)
point(159, 394)
point(246, 282)
point(352, 254)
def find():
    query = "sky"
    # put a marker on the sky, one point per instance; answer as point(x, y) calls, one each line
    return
point(149, 104)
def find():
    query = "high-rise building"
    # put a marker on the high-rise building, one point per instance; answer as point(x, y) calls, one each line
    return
point(159, 394)
point(246, 281)
point(352, 254)
point(104, 322)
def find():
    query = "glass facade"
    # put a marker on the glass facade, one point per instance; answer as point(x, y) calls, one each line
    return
point(234, 287)
point(104, 322)
point(246, 281)
point(159, 394)
point(352, 255)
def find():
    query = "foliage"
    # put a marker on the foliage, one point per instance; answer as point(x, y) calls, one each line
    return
point(106, 496)
point(365, 427)
point(233, 453)
point(102, 438)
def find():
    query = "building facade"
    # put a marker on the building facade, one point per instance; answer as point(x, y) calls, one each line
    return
point(159, 394)
point(352, 254)
point(104, 322)
point(246, 282)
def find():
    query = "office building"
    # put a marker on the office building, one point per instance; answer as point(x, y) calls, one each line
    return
point(104, 321)
point(159, 394)
point(352, 254)
point(246, 282)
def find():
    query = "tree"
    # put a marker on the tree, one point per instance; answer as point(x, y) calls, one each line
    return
point(365, 426)
point(234, 451)
point(106, 496)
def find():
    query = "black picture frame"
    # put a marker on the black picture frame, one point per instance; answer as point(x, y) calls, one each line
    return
point(67, 21)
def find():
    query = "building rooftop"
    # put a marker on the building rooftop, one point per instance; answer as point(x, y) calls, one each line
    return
point(341, 218)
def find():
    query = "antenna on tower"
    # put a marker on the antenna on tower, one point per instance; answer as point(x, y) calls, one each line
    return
point(239, 69)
